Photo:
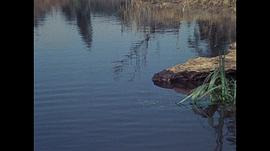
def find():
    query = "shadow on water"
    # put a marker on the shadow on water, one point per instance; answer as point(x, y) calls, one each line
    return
point(219, 118)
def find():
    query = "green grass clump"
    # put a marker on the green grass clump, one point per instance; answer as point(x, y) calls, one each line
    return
point(216, 86)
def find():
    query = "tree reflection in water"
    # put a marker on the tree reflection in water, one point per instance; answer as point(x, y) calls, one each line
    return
point(217, 33)
point(81, 12)
point(211, 32)
point(138, 54)
point(226, 122)
point(78, 12)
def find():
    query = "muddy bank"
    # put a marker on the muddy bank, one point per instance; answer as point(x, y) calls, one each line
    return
point(187, 76)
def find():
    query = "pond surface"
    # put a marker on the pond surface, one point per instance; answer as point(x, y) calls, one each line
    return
point(93, 64)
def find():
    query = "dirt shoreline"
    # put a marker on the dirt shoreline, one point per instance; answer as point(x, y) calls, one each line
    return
point(187, 76)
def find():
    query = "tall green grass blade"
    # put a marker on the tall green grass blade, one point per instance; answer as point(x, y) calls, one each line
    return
point(186, 98)
point(216, 85)
point(208, 92)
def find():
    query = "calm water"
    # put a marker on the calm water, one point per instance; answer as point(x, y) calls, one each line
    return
point(94, 61)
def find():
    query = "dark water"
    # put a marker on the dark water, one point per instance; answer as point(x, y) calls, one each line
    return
point(94, 61)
